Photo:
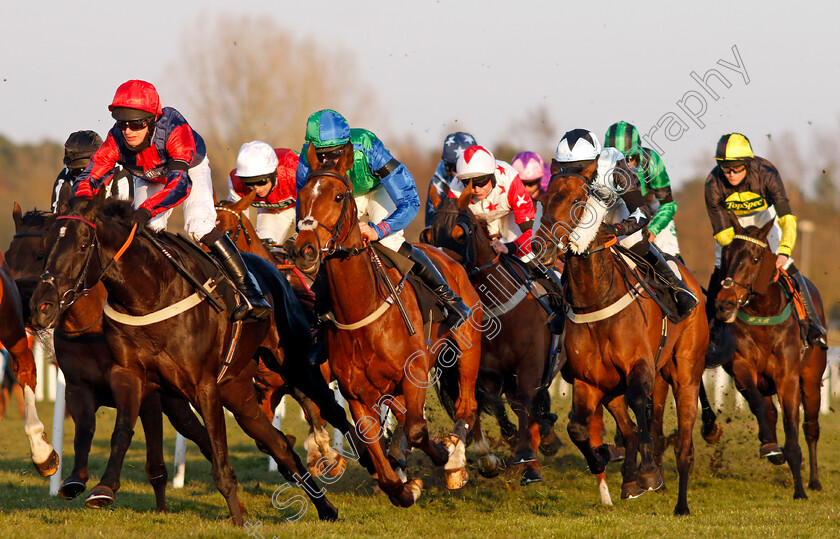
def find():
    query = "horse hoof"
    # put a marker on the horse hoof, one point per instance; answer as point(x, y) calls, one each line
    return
point(525, 456)
point(815, 484)
point(712, 436)
point(778, 460)
point(551, 448)
point(530, 475)
point(651, 480)
point(327, 512)
point(489, 466)
point(681, 511)
point(456, 479)
point(328, 466)
point(769, 449)
point(100, 496)
point(49, 466)
point(631, 490)
point(71, 488)
point(800, 494)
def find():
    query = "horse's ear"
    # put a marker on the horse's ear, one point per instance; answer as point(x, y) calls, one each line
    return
point(312, 158)
point(426, 236)
point(17, 215)
point(64, 196)
point(434, 197)
point(345, 162)
point(763, 231)
point(464, 199)
point(244, 202)
point(735, 223)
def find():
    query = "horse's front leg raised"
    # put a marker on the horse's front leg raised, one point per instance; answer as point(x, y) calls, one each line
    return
point(127, 387)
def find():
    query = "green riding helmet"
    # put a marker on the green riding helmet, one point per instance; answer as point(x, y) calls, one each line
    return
point(326, 129)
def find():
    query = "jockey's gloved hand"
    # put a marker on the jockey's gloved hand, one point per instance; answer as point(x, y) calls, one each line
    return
point(141, 216)
point(612, 230)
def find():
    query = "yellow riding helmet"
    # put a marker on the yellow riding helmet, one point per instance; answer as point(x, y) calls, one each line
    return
point(733, 147)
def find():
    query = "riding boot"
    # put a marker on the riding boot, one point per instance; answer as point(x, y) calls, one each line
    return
point(815, 330)
point(549, 279)
point(712, 292)
point(254, 307)
point(424, 268)
point(685, 299)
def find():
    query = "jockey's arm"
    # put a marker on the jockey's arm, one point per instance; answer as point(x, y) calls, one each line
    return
point(400, 186)
point(96, 174)
point(233, 196)
point(639, 212)
point(658, 181)
point(522, 206)
point(175, 190)
point(777, 197)
point(716, 208)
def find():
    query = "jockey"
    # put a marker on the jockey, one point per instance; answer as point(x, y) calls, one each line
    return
point(168, 161)
point(501, 199)
point(453, 146)
point(654, 181)
point(614, 183)
point(535, 175)
point(78, 149)
point(385, 193)
point(751, 188)
point(271, 173)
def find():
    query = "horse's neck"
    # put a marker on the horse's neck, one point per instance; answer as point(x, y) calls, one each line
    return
point(593, 279)
point(352, 286)
point(770, 303)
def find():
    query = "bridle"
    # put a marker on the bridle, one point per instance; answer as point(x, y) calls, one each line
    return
point(333, 246)
point(240, 227)
point(730, 283)
point(470, 228)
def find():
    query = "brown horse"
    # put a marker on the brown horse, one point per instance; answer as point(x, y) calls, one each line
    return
point(374, 357)
point(616, 346)
point(178, 344)
point(13, 337)
point(85, 360)
point(770, 357)
point(515, 358)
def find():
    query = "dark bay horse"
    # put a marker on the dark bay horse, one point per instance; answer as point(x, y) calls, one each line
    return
point(515, 356)
point(179, 344)
point(231, 219)
point(371, 353)
point(85, 360)
point(769, 356)
point(617, 345)
point(13, 337)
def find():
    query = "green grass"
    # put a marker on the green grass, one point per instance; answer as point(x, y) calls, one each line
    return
point(732, 493)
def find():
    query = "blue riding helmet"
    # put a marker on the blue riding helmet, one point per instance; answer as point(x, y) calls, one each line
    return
point(454, 145)
point(327, 128)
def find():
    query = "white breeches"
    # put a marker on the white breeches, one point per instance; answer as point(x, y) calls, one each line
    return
point(375, 207)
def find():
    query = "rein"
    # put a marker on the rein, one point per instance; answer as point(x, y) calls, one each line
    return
point(240, 227)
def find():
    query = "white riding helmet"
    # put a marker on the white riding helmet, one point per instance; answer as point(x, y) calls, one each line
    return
point(578, 145)
point(256, 159)
point(475, 161)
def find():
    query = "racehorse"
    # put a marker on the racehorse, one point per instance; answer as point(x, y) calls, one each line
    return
point(85, 360)
point(13, 337)
point(514, 358)
point(372, 354)
point(231, 220)
point(769, 355)
point(164, 336)
point(616, 346)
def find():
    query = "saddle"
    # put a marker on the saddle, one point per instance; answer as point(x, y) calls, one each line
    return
point(651, 281)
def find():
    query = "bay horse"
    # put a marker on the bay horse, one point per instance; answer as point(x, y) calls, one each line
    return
point(515, 358)
point(13, 337)
point(189, 349)
point(374, 357)
point(770, 357)
point(231, 220)
point(616, 346)
point(84, 358)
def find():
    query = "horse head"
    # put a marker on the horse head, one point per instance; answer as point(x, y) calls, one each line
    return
point(455, 229)
point(25, 255)
point(747, 266)
point(571, 218)
point(70, 247)
point(328, 224)
point(231, 221)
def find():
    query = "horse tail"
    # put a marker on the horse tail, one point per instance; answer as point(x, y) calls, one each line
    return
point(721, 345)
point(289, 317)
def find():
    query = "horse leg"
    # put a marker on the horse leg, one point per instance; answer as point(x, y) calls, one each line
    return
point(640, 381)
point(239, 397)
point(533, 472)
point(397, 450)
point(401, 494)
point(81, 403)
point(585, 399)
point(210, 407)
point(151, 418)
point(810, 382)
point(660, 442)
point(686, 394)
point(318, 443)
point(488, 463)
point(745, 382)
point(43, 455)
point(596, 437)
point(771, 416)
point(178, 410)
point(416, 430)
point(127, 388)
point(711, 429)
point(789, 399)
point(506, 426)
point(550, 443)
point(630, 484)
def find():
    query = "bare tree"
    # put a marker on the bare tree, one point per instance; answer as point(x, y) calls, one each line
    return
point(247, 78)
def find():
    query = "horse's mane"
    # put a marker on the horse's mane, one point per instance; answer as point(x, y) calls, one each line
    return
point(119, 209)
point(36, 218)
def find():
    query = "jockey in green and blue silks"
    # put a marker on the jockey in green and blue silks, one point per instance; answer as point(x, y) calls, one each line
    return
point(655, 184)
point(385, 194)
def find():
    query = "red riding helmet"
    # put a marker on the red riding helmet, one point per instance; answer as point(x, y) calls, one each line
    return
point(138, 95)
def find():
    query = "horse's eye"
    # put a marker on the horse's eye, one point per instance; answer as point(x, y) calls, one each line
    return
point(756, 260)
point(83, 247)
point(39, 257)
point(339, 197)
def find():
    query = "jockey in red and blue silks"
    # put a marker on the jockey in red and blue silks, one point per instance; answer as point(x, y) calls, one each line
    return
point(385, 194)
point(168, 161)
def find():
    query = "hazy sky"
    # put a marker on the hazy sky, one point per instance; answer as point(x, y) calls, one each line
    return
point(483, 64)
